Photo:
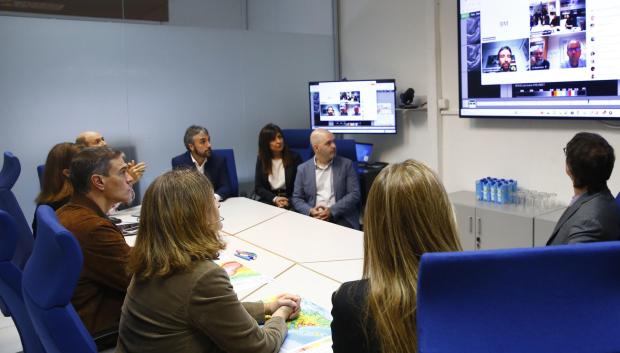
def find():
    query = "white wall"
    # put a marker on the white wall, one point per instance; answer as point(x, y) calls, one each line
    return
point(397, 38)
point(142, 85)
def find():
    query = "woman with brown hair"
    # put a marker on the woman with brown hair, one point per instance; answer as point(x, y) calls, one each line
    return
point(276, 167)
point(407, 214)
point(56, 189)
point(179, 300)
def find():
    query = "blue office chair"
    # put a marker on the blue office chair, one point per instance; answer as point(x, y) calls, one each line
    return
point(346, 148)
point(298, 140)
point(11, 286)
point(618, 200)
point(8, 203)
point(40, 171)
point(553, 299)
point(229, 155)
point(49, 279)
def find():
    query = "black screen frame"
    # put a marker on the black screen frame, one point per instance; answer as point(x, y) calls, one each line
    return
point(361, 132)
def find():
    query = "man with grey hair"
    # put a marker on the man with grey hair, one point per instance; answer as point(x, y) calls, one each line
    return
point(327, 186)
point(198, 155)
point(100, 179)
point(95, 139)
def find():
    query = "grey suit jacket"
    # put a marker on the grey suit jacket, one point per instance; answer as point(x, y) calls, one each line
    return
point(593, 217)
point(346, 190)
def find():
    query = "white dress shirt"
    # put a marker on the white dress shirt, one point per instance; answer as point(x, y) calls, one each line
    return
point(200, 167)
point(324, 185)
point(276, 177)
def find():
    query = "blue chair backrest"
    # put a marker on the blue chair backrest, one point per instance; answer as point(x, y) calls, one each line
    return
point(618, 200)
point(49, 279)
point(229, 155)
point(40, 171)
point(298, 140)
point(8, 203)
point(346, 148)
point(552, 299)
point(11, 286)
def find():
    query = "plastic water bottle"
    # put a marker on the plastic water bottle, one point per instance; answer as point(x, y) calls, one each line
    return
point(498, 192)
point(486, 191)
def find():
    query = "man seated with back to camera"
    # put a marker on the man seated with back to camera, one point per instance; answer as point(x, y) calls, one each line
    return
point(198, 155)
point(100, 179)
point(327, 186)
point(593, 214)
point(95, 139)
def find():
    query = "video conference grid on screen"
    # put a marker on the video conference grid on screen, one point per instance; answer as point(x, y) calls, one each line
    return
point(533, 58)
point(366, 107)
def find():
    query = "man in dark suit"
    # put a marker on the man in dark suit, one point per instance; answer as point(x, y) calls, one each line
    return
point(327, 186)
point(198, 155)
point(100, 179)
point(593, 214)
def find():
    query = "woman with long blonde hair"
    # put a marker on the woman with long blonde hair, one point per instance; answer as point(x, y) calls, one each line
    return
point(407, 214)
point(179, 300)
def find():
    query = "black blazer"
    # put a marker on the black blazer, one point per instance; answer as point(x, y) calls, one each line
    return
point(261, 181)
point(593, 217)
point(349, 331)
point(215, 170)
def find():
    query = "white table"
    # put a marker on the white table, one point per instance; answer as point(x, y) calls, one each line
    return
point(241, 213)
point(267, 263)
point(340, 271)
point(304, 239)
point(299, 280)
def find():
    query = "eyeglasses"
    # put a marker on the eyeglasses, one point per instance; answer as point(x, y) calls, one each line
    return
point(573, 49)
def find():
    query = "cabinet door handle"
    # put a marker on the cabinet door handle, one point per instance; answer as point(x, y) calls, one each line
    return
point(477, 243)
point(471, 225)
point(479, 226)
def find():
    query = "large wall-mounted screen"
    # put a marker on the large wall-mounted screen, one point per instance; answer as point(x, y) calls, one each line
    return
point(354, 107)
point(539, 59)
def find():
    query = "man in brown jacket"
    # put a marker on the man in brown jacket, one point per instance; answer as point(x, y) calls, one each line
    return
point(100, 179)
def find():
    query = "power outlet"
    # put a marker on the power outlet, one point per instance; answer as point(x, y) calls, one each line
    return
point(443, 104)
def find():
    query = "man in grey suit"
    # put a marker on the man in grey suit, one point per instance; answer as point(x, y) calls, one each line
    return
point(593, 214)
point(327, 186)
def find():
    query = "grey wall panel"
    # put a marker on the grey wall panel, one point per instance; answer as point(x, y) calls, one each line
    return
point(143, 84)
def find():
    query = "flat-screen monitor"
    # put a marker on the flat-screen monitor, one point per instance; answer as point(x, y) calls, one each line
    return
point(354, 107)
point(363, 151)
point(539, 59)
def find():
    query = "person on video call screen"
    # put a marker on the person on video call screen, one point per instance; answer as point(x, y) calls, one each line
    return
point(573, 51)
point(504, 58)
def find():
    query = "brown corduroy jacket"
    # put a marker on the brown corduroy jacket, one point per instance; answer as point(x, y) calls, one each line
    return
point(101, 289)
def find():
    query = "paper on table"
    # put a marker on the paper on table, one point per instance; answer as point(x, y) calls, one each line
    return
point(242, 277)
point(310, 332)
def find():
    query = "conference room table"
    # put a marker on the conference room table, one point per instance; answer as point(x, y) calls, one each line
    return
point(294, 253)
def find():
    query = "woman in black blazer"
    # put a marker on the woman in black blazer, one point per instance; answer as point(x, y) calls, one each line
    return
point(407, 214)
point(276, 167)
